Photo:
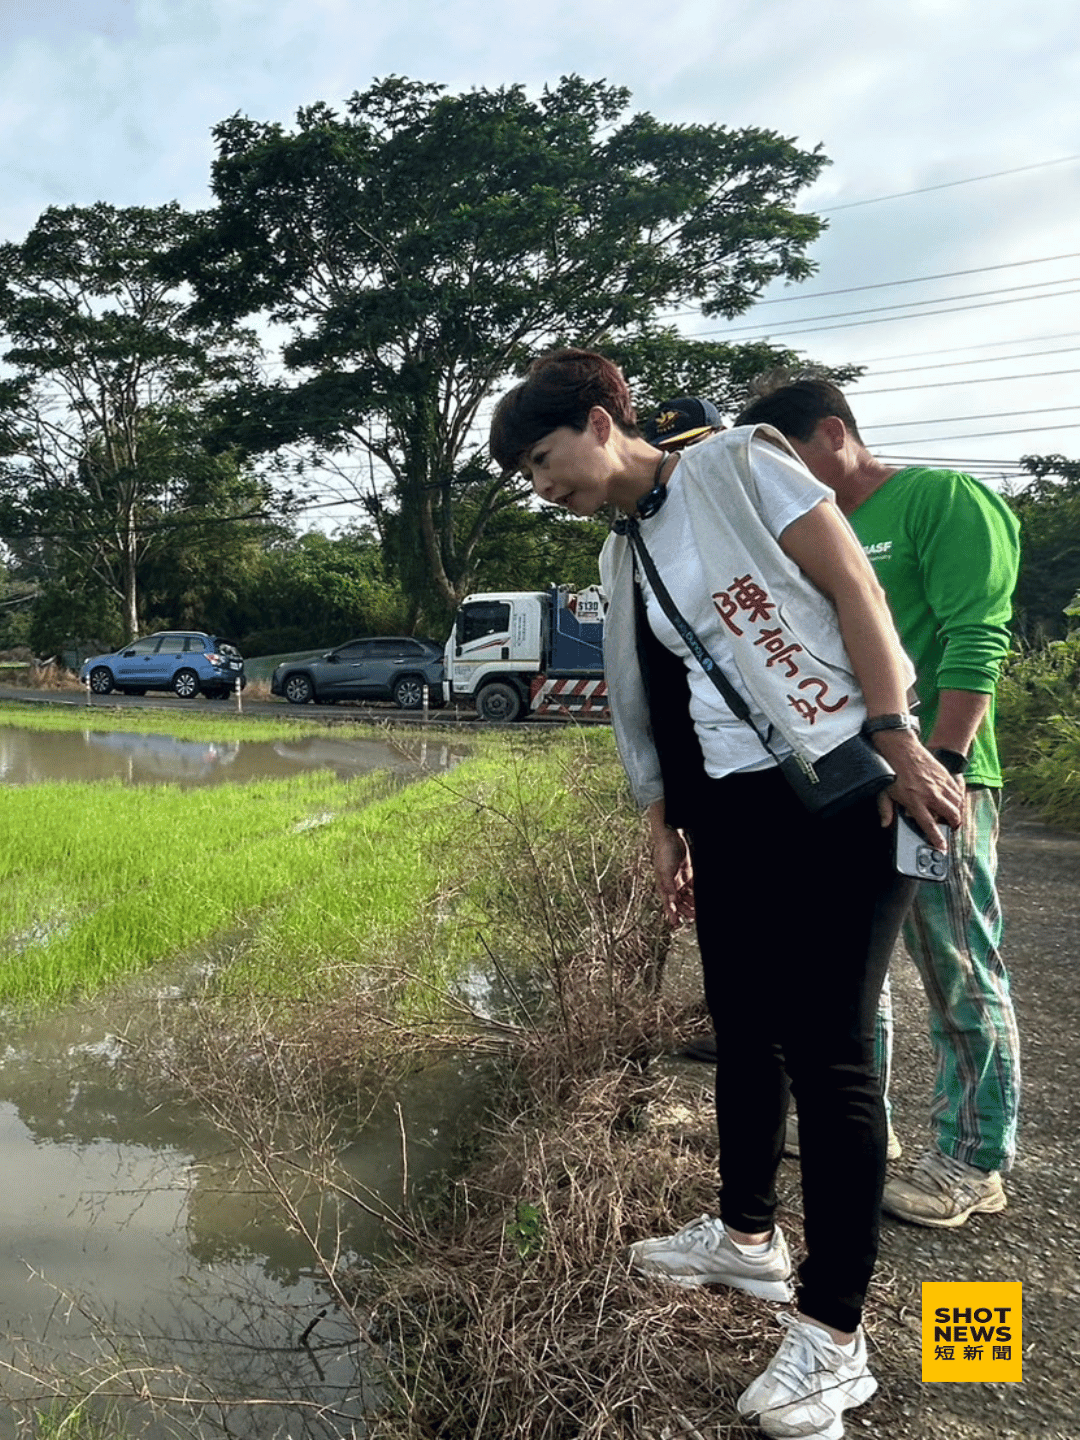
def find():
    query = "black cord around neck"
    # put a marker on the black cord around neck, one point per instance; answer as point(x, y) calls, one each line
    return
point(650, 502)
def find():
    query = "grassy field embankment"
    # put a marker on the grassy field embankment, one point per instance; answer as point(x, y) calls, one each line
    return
point(295, 884)
point(509, 1310)
point(504, 908)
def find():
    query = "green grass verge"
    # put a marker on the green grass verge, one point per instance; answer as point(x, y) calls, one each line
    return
point(303, 879)
point(223, 724)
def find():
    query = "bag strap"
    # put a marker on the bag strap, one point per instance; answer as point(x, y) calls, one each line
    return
point(628, 526)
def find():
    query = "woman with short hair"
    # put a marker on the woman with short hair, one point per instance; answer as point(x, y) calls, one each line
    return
point(796, 914)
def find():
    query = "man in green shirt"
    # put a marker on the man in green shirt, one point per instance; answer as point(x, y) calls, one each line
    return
point(946, 551)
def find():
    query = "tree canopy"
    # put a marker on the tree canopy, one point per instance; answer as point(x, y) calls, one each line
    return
point(1048, 507)
point(102, 465)
point(419, 247)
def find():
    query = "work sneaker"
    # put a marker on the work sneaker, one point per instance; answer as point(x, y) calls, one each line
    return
point(943, 1192)
point(893, 1148)
point(808, 1384)
point(702, 1253)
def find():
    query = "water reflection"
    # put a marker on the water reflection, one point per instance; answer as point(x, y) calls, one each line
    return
point(135, 1219)
point(28, 757)
point(123, 1217)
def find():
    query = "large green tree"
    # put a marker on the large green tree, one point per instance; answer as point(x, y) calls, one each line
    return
point(1048, 507)
point(102, 467)
point(316, 591)
point(418, 247)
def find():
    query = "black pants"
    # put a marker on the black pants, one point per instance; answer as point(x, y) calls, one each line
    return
point(796, 919)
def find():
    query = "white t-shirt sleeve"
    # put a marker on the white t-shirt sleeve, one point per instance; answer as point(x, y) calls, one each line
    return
point(786, 489)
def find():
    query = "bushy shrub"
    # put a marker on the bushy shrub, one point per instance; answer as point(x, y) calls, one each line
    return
point(1038, 724)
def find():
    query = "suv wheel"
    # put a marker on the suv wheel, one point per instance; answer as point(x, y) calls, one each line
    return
point(408, 693)
point(186, 684)
point(298, 690)
point(101, 681)
point(499, 701)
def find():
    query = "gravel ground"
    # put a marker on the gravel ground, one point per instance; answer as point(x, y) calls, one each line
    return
point(1037, 1239)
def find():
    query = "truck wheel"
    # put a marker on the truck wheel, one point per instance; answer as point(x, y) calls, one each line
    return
point(499, 701)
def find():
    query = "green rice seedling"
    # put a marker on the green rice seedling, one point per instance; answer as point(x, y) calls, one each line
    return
point(104, 881)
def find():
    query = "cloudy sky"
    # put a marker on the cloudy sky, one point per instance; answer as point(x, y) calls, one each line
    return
point(952, 126)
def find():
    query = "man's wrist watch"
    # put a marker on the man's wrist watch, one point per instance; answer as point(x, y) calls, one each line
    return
point(874, 723)
point(954, 762)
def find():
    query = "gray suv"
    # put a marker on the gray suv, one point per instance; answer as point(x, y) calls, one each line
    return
point(382, 667)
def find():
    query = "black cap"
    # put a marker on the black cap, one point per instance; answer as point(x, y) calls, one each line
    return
point(684, 418)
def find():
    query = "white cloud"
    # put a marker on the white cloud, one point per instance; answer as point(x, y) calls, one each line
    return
point(115, 100)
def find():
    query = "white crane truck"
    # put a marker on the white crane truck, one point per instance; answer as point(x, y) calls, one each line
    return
point(516, 652)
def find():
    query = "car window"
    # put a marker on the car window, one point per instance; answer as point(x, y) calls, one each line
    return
point(483, 617)
point(171, 645)
point(143, 647)
point(356, 650)
point(193, 642)
point(387, 649)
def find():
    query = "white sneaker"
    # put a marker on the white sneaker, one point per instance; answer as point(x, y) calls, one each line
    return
point(808, 1384)
point(702, 1253)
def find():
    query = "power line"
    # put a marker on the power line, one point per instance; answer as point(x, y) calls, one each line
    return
point(963, 419)
point(984, 345)
point(984, 360)
point(979, 380)
point(800, 327)
point(916, 280)
point(945, 185)
point(980, 434)
point(887, 284)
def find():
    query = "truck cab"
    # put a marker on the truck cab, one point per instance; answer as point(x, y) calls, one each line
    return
point(509, 651)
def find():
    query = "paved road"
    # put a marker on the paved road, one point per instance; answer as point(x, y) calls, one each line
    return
point(262, 709)
point(1037, 1239)
point(455, 716)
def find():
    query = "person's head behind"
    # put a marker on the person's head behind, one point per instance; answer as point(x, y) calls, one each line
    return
point(559, 389)
point(797, 409)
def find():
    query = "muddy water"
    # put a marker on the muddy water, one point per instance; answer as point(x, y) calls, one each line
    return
point(125, 1222)
point(132, 1228)
point(28, 757)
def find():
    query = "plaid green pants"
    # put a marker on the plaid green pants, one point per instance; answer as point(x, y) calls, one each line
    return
point(953, 934)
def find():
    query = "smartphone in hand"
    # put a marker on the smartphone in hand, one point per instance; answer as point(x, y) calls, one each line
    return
point(913, 853)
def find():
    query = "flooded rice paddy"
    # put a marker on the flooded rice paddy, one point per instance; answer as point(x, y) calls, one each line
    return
point(29, 757)
point(131, 1232)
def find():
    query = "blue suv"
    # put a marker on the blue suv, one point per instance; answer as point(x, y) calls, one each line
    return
point(183, 661)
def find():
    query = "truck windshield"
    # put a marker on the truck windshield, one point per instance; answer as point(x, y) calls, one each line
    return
point(485, 617)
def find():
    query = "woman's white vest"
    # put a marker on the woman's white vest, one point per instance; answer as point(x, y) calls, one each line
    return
point(784, 631)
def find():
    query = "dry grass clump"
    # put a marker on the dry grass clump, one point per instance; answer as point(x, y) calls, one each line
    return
point(507, 1309)
point(520, 1318)
point(19, 667)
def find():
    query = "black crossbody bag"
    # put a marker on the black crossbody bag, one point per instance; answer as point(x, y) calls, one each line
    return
point(853, 771)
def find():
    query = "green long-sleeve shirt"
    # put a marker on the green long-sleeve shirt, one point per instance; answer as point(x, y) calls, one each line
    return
point(946, 551)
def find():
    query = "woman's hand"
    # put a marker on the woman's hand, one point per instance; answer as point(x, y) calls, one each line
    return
point(923, 787)
point(674, 874)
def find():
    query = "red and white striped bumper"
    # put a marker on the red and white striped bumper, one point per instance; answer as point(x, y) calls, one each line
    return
point(562, 697)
